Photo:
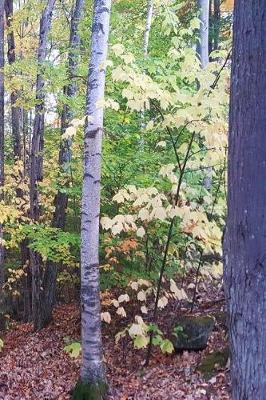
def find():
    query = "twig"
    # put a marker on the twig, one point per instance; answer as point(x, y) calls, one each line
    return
point(169, 237)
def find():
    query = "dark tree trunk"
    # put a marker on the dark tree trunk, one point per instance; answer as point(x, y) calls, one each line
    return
point(36, 171)
point(244, 246)
point(16, 116)
point(70, 91)
point(2, 173)
point(17, 126)
point(61, 199)
point(216, 23)
point(211, 27)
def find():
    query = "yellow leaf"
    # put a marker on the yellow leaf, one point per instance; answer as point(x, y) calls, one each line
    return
point(121, 311)
point(144, 309)
point(123, 297)
point(118, 49)
point(162, 303)
point(141, 296)
point(134, 286)
point(140, 232)
point(106, 317)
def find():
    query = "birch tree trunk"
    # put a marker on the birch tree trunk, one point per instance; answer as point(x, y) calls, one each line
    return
point(16, 112)
point(36, 172)
point(148, 27)
point(203, 44)
point(244, 246)
point(61, 198)
point(2, 141)
point(92, 376)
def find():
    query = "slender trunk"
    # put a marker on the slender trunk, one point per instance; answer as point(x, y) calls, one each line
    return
point(16, 114)
point(92, 369)
point(19, 146)
point(203, 44)
point(148, 27)
point(216, 24)
point(70, 91)
point(61, 198)
point(36, 173)
point(211, 26)
point(244, 245)
point(2, 173)
point(203, 52)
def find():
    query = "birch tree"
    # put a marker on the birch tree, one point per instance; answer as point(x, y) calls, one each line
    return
point(36, 172)
point(148, 27)
point(203, 44)
point(92, 376)
point(2, 134)
point(244, 246)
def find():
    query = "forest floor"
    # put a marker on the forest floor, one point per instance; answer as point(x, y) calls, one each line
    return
point(35, 366)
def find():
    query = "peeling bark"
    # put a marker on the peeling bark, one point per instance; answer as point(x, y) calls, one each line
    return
point(92, 370)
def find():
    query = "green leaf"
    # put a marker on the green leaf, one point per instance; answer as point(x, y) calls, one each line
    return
point(141, 342)
point(73, 349)
point(167, 346)
point(157, 340)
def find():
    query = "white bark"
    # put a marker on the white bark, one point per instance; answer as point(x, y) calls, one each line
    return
point(203, 45)
point(92, 370)
point(148, 27)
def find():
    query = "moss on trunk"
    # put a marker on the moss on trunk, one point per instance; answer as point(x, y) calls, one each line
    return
point(89, 391)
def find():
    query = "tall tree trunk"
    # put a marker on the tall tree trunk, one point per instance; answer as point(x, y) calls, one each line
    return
point(61, 199)
point(36, 172)
point(19, 148)
point(70, 91)
point(203, 44)
point(211, 26)
point(244, 246)
point(216, 23)
point(2, 141)
point(16, 115)
point(92, 369)
point(148, 27)
point(203, 53)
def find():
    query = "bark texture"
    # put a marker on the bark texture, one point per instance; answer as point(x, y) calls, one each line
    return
point(70, 91)
point(244, 246)
point(2, 141)
point(61, 198)
point(148, 27)
point(16, 112)
point(216, 23)
point(92, 370)
point(203, 44)
point(36, 172)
